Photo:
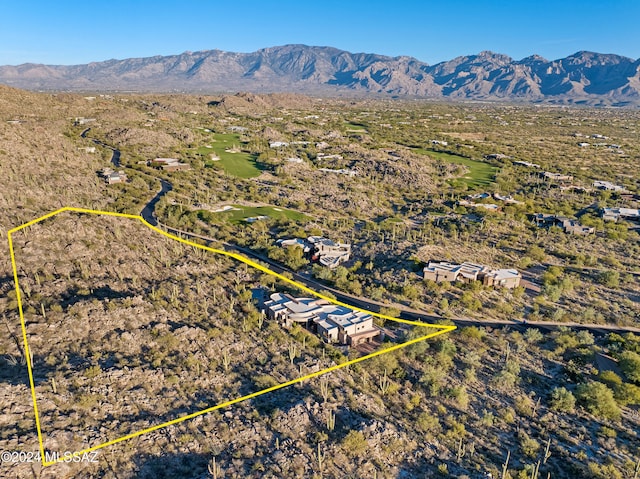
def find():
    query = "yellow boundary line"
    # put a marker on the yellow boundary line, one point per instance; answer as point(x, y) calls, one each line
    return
point(442, 329)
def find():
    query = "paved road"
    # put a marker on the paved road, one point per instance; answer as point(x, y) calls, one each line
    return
point(115, 157)
point(148, 212)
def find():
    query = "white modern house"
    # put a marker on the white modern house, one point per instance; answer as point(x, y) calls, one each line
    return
point(615, 214)
point(323, 250)
point(607, 185)
point(333, 323)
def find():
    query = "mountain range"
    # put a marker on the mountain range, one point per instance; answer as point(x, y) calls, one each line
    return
point(582, 78)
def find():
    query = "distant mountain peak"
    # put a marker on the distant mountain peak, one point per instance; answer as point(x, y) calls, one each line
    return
point(490, 54)
point(587, 77)
point(534, 58)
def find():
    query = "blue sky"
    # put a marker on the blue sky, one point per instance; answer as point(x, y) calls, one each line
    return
point(69, 32)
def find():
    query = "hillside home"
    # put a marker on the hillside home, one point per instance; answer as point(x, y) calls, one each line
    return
point(83, 121)
point(442, 271)
point(608, 186)
point(113, 177)
point(484, 206)
point(498, 156)
point(479, 196)
point(468, 272)
point(176, 167)
point(568, 225)
point(502, 278)
point(333, 323)
point(328, 253)
point(615, 214)
point(253, 219)
point(169, 164)
point(556, 176)
point(323, 250)
point(507, 199)
point(527, 164)
point(630, 196)
point(294, 242)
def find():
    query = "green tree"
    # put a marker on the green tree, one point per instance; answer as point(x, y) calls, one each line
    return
point(533, 335)
point(605, 471)
point(562, 400)
point(528, 445)
point(626, 394)
point(294, 257)
point(428, 423)
point(610, 378)
point(598, 399)
point(585, 338)
point(411, 291)
point(536, 253)
point(609, 278)
point(630, 365)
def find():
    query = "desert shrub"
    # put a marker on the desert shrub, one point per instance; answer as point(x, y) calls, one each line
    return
point(626, 394)
point(609, 278)
point(528, 445)
point(354, 443)
point(428, 423)
point(562, 400)
point(598, 399)
point(630, 365)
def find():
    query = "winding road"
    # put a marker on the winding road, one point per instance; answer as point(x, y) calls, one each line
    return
point(148, 212)
point(115, 157)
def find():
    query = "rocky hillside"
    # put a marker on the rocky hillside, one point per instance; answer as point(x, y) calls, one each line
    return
point(583, 78)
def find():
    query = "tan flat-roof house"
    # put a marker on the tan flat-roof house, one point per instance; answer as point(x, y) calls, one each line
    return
point(502, 278)
point(113, 177)
point(442, 271)
point(333, 323)
point(556, 176)
point(607, 186)
point(527, 164)
point(169, 164)
point(568, 225)
point(176, 167)
point(484, 206)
